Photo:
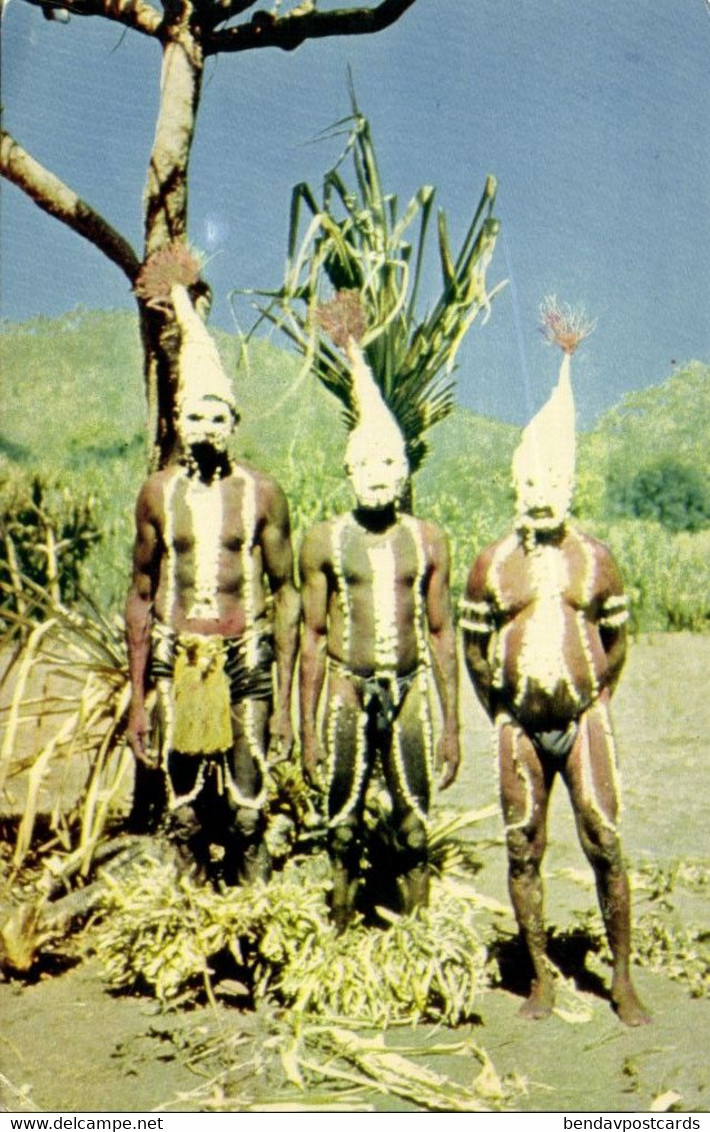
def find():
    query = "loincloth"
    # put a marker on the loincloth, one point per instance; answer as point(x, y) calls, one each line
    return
point(557, 742)
point(206, 675)
point(382, 694)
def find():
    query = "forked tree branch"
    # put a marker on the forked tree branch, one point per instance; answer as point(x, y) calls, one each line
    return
point(292, 29)
point(56, 198)
point(136, 14)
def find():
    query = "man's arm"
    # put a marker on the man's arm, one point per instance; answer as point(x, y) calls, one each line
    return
point(478, 626)
point(278, 565)
point(314, 594)
point(139, 618)
point(612, 614)
point(442, 640)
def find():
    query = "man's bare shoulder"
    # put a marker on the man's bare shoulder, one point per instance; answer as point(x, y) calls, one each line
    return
point(268, 489)
point(433, 537)
point(152, 490)
point(606, 570)
point(317, 545)
point(492, 555)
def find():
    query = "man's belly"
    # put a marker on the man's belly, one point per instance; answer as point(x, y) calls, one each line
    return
point(549, 665)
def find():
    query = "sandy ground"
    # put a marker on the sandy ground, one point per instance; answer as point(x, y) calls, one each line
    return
point(68, 1044)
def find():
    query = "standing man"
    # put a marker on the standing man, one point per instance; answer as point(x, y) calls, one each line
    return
point(375, 592)
point(212, 542)
point(545, 641)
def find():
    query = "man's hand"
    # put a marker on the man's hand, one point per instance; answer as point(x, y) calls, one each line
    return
point(280, 737)
point(312, 759)
point(137, 734)
point(448, 757)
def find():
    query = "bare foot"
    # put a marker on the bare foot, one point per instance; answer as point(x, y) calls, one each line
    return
point(541, 1000)
point(628, 1005)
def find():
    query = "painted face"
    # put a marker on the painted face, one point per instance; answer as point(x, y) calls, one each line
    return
point(543, 501)
point(205, 420)
point(377, 471)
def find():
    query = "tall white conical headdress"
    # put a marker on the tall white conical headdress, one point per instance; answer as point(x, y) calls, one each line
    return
point(200, 370)
point(545, 457)
point(544, 461)
point(376, 428)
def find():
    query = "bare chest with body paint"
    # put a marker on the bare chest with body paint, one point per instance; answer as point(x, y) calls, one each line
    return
point(211, 563)
point(547, 656)
point(376, 598)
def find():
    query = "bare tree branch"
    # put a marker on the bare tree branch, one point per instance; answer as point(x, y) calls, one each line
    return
point(58, 200)
point(136, 14)
point(215, 12)
point(265, 29)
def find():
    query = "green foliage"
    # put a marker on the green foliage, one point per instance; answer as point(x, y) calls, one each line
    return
point(666, 576)
point(675, 495)
point(354, 241)
point(46, 533)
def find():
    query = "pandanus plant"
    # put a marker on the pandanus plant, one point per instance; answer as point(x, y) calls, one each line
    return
point(353, 245)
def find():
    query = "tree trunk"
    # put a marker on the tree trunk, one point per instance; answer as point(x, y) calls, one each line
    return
point(166, 204)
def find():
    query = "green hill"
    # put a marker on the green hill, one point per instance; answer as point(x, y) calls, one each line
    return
point(75, 411)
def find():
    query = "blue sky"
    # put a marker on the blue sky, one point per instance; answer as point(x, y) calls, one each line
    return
point(595, 118)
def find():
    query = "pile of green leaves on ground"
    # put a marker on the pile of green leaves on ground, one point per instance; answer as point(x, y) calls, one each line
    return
point(167, 933)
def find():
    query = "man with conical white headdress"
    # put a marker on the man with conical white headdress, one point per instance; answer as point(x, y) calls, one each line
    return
point(212, 543)
point(543, 623)
point(375, 594)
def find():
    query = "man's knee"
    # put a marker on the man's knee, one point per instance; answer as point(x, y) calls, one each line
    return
point(343, 841)
point(412, 841)
point(248, 822)
point(525, 850)
point(600, 841)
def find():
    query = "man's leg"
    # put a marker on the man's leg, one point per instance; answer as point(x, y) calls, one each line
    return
point(407, 763)
point(246, 855)
point(590, 775)
point(348, 767)
point(525, 792)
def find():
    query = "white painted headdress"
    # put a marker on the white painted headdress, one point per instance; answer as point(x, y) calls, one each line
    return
point(544, 461)
point(373, 425)
point(376, 428)
point(200, 370)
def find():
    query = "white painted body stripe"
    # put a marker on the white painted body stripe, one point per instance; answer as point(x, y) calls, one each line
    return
point(359, 769)
point(523, 774)
point(589, 790)
point(401, 774)
point(588, 578)
point(337, 532)
point(254, 747)
point(205, 504)
point(583, 631)
point(542, 656)
point(247, 556)
point(384, 605)
point(415, 531)
point(169, 537)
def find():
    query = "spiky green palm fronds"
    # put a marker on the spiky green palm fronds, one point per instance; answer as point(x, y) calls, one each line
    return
point(354, 242)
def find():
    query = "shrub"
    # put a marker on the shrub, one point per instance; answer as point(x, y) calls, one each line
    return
point(47, 532)
point(674, 494)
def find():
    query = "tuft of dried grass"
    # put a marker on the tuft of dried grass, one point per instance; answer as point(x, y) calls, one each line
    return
point(173, 264)
point(563, 325)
